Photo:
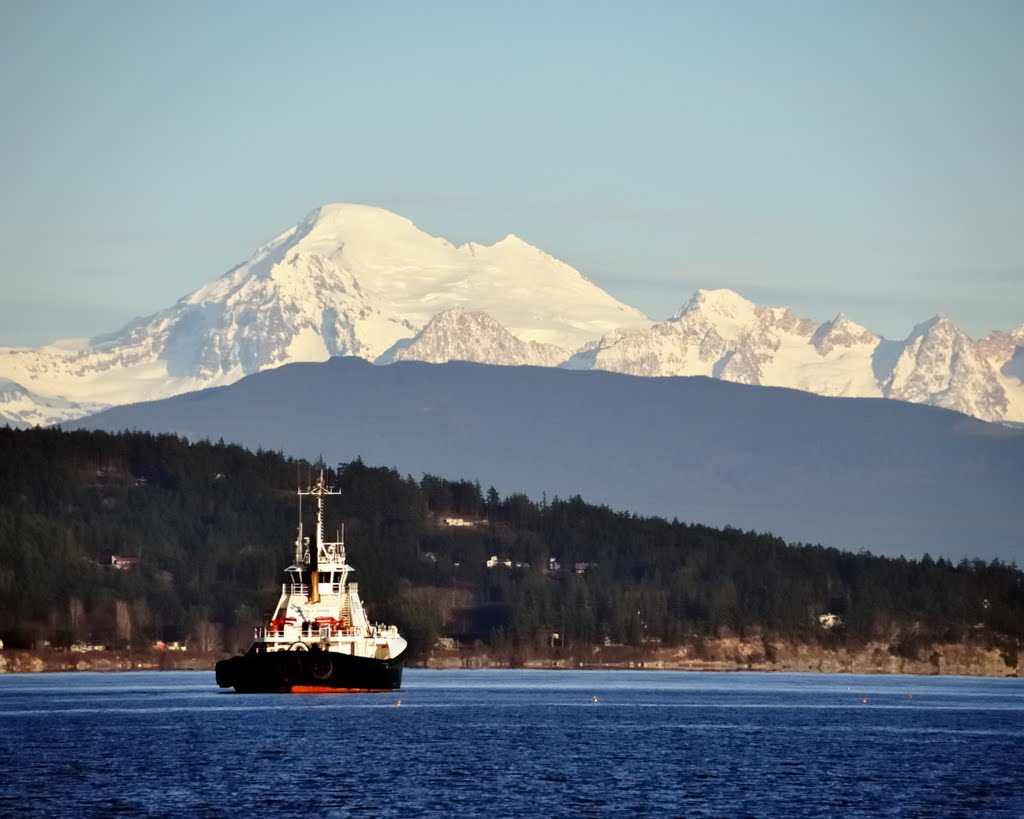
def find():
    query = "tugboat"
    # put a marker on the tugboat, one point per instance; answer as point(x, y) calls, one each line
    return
point(319, 638)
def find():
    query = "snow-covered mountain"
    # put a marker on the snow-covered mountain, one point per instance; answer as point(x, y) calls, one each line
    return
point(940, 365)
point(720, 334)
point(347, 280)
point(1004, 352)
point(24, 408)
point(464, 335)
point(360, 281)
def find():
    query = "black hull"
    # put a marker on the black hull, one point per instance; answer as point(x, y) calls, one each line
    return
point(270, 672)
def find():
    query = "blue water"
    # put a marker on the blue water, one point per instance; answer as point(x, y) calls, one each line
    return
point(515, 743)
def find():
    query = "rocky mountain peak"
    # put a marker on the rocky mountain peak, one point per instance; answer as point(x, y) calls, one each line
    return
point(721, 302)
point(458, 334)
point(842, 332)
point(939, 322)
point(941, 365)
point(1002, 347)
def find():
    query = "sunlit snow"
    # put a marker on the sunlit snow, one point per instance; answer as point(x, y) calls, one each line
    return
point(359, 280)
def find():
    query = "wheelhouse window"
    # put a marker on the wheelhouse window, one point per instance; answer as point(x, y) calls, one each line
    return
point(296, 577)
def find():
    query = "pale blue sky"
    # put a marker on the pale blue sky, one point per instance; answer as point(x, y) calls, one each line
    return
point(857, 156)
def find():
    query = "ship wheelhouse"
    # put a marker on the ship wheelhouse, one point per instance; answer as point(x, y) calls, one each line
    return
point(298, 579)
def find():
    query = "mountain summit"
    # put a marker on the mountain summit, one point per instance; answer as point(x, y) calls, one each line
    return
point(346, 280)
point(409, 277)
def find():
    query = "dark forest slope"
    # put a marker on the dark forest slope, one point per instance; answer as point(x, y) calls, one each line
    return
point(212, 526)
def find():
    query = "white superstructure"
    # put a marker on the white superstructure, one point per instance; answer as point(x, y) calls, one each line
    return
point(319, 607)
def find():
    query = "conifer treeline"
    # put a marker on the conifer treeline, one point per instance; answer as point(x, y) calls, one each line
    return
point(212, 525)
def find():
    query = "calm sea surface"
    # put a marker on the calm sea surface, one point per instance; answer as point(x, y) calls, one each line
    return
point(515, 743)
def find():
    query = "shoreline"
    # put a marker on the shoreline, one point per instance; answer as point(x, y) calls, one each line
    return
point(723, 654)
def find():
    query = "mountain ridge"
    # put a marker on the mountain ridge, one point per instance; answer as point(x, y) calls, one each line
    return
point(359, 280)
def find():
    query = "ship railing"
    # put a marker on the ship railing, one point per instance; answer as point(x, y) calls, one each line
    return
point(264, 633)
point(313, 632)
point(319, 631)
point(348, 631)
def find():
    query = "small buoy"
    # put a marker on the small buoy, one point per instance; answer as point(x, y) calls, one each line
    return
point(865, 699)
point(595, 699)
point(911, 696)
point(400, 702)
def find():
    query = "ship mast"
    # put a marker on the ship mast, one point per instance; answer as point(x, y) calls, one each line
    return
point(298, 540)
point(319, 490)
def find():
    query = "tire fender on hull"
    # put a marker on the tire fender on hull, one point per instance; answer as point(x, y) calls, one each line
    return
point(321, 667)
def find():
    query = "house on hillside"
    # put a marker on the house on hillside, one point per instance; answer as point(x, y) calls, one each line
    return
point(459, 522)
point(830, 620)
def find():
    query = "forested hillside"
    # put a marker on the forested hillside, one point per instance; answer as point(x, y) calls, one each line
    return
point(212, 525)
